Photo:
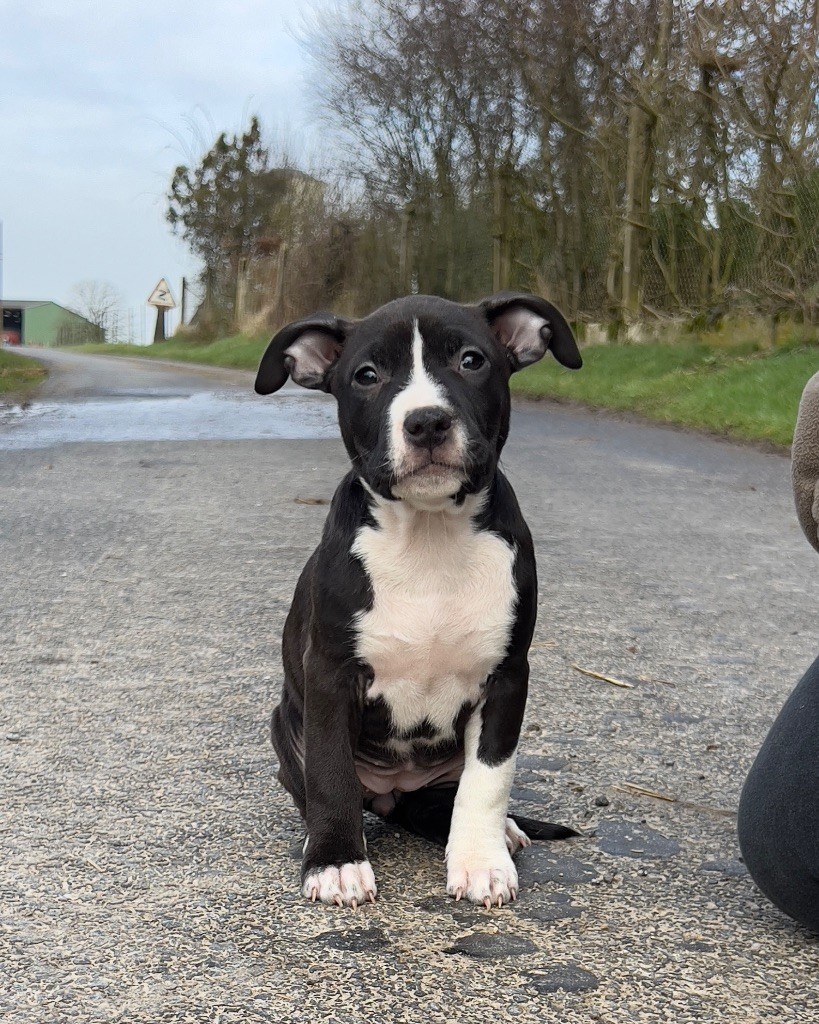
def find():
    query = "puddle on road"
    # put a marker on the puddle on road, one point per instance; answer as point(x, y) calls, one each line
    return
point(204, 416)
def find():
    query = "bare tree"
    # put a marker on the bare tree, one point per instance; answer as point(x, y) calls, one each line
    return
point(627, 158)
point(99, 302)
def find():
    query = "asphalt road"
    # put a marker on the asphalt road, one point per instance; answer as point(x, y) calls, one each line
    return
point(148, 860)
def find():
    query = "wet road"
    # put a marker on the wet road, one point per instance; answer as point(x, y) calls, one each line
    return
point(152, 527)
point(110, 399)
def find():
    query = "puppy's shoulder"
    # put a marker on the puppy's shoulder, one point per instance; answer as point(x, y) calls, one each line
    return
point(340, 587)
point(349, 511)
point(501, 514)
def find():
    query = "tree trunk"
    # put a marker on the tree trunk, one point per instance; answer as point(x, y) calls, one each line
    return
point(241, 291)
point(279, 311)
point(639, 167)
point(405, 250)
point(500, 239)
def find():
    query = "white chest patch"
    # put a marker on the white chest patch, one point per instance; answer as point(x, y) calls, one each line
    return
point(444, 601)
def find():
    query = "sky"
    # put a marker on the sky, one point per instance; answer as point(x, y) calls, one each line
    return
point(97, 104)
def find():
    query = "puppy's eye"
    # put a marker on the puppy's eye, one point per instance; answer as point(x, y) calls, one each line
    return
point(472, 360)
point(366, 376)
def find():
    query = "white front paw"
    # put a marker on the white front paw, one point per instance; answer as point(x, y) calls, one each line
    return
point(346, 886)
point(482, 876)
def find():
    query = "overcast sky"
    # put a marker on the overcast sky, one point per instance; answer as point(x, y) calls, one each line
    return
point(92, 97)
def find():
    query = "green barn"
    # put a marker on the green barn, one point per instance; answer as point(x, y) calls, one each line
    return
point(45, 324)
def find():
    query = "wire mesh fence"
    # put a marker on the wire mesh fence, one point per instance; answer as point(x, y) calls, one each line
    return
point(696, 263)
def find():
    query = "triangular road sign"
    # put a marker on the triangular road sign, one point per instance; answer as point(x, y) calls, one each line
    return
point(161, 296)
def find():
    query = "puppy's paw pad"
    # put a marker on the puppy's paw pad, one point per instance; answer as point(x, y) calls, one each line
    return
point(349, 885)
point(490, 881)
point(516, 838)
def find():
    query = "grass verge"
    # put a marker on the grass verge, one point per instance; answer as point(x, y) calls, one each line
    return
point(736, 388)
point(239, 352)
point(18, 374)
point(735, 392)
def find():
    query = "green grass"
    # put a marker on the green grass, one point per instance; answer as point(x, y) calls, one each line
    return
point(18, 374)
point(732, 383)
point(241, 351)
point(734, 391)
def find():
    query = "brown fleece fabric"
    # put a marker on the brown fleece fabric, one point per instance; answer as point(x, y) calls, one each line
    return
point(805, 461)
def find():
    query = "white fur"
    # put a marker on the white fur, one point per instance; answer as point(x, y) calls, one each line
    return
point(421, 391)
point(479, 864)
point(347, 886)
point(516, 838)
point(431, 488)
point(443, 605)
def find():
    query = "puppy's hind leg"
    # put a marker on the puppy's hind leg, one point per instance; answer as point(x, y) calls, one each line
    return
point(286, 734)
point(531, 828)
point(428, 813)
point(520, 832)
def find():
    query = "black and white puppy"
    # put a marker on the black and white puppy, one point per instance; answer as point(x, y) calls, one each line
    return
point(405, 649)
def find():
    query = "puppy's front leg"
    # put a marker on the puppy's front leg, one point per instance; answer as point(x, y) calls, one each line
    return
point(478, 862)
point(334, 867)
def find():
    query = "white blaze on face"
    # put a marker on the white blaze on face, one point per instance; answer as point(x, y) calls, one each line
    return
point(423, 391)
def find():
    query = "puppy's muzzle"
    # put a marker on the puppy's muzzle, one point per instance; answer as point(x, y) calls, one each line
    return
point(428, 427)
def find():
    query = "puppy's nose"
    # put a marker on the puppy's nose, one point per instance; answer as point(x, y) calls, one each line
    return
point(427, 427)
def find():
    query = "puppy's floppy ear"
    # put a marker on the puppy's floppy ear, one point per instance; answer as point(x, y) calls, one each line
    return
point(527, 326)
point(305, 350)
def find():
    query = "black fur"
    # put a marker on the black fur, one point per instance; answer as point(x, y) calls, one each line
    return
point(428, 813)
point(323, 720)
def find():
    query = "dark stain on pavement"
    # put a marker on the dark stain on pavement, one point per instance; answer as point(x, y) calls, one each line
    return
point(540, 763)
point(731, 867)
point(364, 940)
point(483, 946)
point(629, 839)
point(537, 864)
point(535, 906)
point(568, 977)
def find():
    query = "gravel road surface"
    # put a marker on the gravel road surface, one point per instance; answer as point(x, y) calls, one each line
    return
point(153, 521)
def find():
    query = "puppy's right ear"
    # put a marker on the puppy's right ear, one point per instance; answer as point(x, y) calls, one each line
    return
point(305, 350)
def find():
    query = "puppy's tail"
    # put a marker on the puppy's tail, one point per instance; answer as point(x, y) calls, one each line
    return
point(428, 813)
point(538, 830)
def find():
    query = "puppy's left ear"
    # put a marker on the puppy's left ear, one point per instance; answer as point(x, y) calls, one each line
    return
point(305, 350)
point(527, 326)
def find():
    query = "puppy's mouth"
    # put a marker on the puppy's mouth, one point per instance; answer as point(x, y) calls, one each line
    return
point(432, 468)
point(432, 485)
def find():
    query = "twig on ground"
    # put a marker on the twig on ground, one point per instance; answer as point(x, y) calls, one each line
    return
point(634, 789)
point(605, 679)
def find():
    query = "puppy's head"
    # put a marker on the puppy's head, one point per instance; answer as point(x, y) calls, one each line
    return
point(422, 385)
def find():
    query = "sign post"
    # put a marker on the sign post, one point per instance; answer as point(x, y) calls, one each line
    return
point(161, 299)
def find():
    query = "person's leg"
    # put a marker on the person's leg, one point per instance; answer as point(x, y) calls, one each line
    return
point(779, 807)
